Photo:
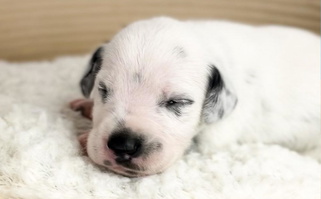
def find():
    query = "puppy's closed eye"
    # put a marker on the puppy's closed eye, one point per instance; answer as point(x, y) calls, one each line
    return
point(176, 105)
point(103, 91)
point(178, 102)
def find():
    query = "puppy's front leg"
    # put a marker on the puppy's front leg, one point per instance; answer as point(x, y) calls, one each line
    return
point(83, 105)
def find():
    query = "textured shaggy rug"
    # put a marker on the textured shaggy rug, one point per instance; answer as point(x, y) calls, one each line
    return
point(41, 158)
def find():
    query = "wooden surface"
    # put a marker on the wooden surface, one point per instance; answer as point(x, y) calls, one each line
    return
point(43, 29)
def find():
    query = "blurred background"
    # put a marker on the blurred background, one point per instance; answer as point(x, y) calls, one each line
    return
point(44, 29)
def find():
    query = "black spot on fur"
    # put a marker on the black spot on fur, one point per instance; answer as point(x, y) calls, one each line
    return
point(215, 80)
point(179, 51)
point(87, 82)
point(214, 88)
point(220, 112)
point(138, 77)
point(219, 100)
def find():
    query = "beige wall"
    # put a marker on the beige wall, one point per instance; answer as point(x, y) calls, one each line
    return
point(42, 29)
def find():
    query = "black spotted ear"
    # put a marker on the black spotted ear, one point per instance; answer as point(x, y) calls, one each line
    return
point(219, 101)
point(87, 82)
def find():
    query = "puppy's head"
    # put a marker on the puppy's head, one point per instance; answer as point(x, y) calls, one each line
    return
point(152, 88)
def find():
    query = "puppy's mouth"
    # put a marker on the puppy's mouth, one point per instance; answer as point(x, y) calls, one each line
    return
point(125, 167)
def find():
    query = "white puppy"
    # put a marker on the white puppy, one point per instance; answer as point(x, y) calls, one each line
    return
point(160, 82)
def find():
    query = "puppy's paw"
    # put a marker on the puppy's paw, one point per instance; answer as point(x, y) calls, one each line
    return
point(83, 142)
point(85, 106)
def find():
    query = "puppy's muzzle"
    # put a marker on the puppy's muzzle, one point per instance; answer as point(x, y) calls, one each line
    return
point(125, 145)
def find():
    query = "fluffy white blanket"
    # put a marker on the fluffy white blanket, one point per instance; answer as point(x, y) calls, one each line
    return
point(40, 156)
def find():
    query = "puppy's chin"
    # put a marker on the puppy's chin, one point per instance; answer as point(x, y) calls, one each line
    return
point(137, 167)
point(129, 172)
point(139, 171)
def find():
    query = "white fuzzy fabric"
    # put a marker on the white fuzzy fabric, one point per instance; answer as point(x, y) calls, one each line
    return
point(40, 156)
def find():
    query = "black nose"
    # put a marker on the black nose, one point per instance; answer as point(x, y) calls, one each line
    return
point(125, 144)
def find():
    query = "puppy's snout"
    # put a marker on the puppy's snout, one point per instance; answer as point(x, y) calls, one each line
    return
point(125, 144)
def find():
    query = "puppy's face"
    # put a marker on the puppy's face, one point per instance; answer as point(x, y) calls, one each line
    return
point(149, 93)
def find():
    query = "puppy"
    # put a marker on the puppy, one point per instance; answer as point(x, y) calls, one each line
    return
point(160, 82)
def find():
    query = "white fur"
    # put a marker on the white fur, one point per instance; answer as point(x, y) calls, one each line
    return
point(40, 156)
point(273, 72)
point(281, 103)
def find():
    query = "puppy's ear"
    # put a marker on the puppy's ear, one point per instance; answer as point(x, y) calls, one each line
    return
point(88, 81)
point(219, 100)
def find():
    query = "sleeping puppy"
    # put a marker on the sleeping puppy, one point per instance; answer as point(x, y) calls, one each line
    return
point(159, 83)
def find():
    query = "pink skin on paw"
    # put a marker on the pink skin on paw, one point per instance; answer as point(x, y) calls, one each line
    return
point(83, 142)
point(83, 105)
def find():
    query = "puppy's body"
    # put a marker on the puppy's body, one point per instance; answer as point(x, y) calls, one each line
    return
point(161, 82)
point(275, 74)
